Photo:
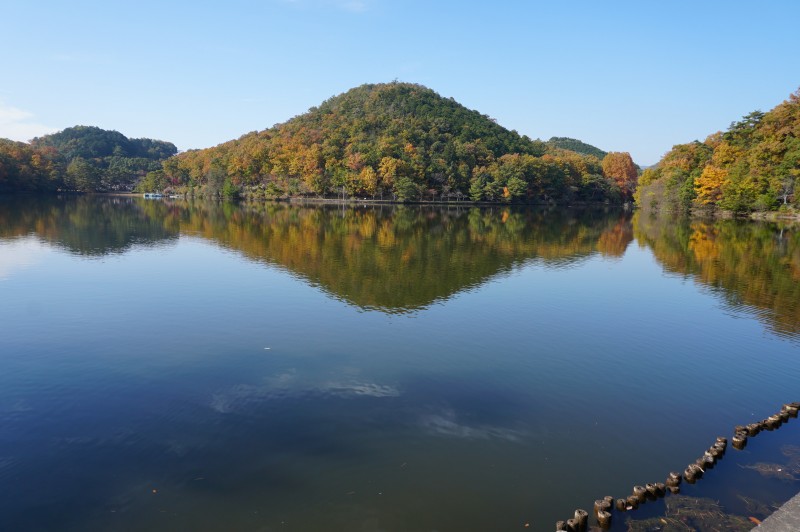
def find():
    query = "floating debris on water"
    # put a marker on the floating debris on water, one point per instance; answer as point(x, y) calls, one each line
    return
point(792, 452)
point(757, 508)
point(687, 514)
point(778, 471)
point(789, 471)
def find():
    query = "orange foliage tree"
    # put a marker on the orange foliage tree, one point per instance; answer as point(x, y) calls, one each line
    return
point(619, 167)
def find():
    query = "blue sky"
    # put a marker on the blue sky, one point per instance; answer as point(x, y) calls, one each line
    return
point(624, 76)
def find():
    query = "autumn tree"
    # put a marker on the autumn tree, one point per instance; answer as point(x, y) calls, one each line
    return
point(619, 167)
point(755, 165)
point(708, 185)
point(369, 180)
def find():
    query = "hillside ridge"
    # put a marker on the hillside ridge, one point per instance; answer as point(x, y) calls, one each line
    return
point(399, 141)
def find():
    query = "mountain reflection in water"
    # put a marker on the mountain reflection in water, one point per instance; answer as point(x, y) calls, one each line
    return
point(405, 258)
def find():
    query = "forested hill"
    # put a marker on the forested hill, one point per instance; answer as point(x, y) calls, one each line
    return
point(753, 166)
point(566, 143)
point(92, 142)
point(395, 140)
point(81, 158)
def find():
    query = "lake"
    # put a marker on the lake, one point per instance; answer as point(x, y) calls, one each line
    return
point(169, 365)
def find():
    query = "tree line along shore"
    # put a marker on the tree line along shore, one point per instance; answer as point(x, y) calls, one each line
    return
point(403, 142)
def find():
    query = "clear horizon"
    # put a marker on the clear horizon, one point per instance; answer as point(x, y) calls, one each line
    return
point(622, 77)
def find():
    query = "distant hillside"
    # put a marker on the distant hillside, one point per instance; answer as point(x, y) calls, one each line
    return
point(396, 140)
point(82, 158)
point(92, 142)
point(754, 166)
point(566, 143)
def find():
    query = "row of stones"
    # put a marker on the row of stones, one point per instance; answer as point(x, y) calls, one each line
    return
point(693, 472)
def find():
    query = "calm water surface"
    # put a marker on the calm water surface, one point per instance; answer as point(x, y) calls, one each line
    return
point(176, 366)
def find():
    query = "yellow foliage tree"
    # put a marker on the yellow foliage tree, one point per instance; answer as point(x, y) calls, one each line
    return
point(708, 185)
point(369, 180)
point(726, 154)
point(388, 169)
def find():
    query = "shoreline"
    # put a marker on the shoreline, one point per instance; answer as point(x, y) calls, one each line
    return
point(718, 214)
point(370, 201)
point(767, 216)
